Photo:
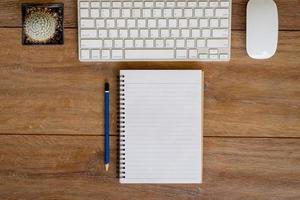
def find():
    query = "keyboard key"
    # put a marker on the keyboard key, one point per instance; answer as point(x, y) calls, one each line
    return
point(104, 12)
point(88, 33)
point(113, 33)
point(202, 4)
point(115, 12)
point(198, 12)
point(84, 4)
point(130, 23)
point(125, 12)
point(149, 54)
point(224, 4)
point(157, 12)
point(190, 43)
point(116, 54)
point(206, 33)
point(95, 54)
point(107, 43)
point(139, 43)
point(123, 33)
point(213, 56)
point(91, 44)
point(162, 23)
point(181, 4)
point(217, 43)
point(222, 12)
point(133, 33)
point(146, 13)
point(170, 43)
point(159, 43)
point(95, 4)
point(200, 43)
point(160, 4)
point(167, 13)
point(180, 43)
point(149, 4)
point(196, 33)
point(149, 43)
point(127, 4)
point(121, 23)
point(141, 23)
point(193, 53)
point(103, 33)
point(170, 4)
point(105, 54)
point(117, 4)
point(203, 56)
point(110, 23)
point(193, 23)
point(178, 12)
point(222, 33)
point(84, 13)
point(181, 54)
point(175, 33)
point(118, 44)
point(100, 23)
point(209, 12)
point(144, 33)
point(151, 23)
point(164, 33)
point(94, 13)
point(128, 43)
point(154, 33)
point(182, 23)
point(85, 54)
point(187, 12)
point(136, 13)
point(172, 23)
point(105, 4)
point(192, 4)
point(138, 4)
point(185, 33)
point(223, 56)
point(87, 23)
point(203, 23)
point(213, 4)
point(224, 23)
point(214, 23)
point(213, 51)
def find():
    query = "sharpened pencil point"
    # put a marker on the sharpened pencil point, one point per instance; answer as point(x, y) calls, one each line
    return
point(106, 167)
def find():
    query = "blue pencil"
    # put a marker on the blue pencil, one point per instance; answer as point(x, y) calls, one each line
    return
point(106, 124)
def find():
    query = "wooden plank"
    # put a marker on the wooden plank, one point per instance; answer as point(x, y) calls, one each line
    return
point(56, 101)
point(10, 13)
point(71, 167)
point(46, 89)
point(14, 54)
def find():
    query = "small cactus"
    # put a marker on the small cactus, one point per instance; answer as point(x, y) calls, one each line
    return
point(40, 26)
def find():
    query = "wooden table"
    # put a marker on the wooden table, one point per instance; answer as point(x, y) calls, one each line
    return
point(51, 118)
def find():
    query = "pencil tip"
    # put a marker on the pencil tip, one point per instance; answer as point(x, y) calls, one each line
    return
point(106, 87)
point(106, 167)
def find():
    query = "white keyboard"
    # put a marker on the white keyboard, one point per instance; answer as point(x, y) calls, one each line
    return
point(125, 30)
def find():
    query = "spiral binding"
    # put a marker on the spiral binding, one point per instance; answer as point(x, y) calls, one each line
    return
point(121, 127)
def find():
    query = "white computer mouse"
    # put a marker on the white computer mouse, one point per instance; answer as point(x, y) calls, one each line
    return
point(262, 28)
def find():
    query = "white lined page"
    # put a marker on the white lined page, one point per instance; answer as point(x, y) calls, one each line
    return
point(163, 126)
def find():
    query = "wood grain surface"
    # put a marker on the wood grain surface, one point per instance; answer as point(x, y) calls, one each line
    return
point(288, 10)
point(55, 93)
point(67, 167)
point(51, 118)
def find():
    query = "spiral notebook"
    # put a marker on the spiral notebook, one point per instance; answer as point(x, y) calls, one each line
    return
point(161, 113)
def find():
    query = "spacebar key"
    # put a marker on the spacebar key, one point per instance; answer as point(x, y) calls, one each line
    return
point(149, 54)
